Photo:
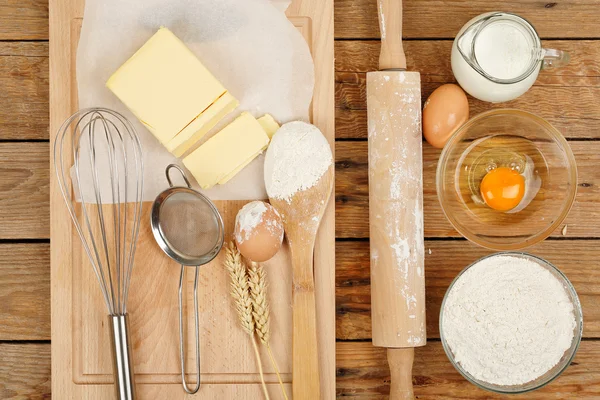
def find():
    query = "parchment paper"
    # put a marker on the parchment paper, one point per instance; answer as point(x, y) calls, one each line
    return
point(249, 45)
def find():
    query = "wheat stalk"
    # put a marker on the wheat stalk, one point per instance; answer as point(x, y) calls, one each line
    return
point(239, 288)
point(258, 293)
point(243, 303)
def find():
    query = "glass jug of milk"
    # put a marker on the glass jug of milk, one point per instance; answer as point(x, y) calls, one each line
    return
point(497, 56)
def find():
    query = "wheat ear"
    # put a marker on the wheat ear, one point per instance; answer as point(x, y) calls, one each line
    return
point(261, 313)
point(243, 303)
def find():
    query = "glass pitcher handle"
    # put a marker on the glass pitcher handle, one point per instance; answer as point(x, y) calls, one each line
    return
point(554, 58)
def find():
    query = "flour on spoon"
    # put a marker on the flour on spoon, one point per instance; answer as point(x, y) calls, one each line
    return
point(298, 156)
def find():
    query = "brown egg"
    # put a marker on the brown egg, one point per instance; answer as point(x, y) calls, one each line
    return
point(444, 112)
point(258, 231)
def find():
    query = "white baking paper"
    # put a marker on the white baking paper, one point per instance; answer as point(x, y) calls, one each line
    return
point(281, 5)
point(249, 45)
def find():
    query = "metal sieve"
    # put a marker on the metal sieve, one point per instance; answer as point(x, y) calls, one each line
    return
point(188, 228)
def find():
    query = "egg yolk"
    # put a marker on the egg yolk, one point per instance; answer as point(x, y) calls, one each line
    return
point(502, 189)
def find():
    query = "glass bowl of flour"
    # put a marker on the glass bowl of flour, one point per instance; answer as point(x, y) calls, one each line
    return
point(511, 322)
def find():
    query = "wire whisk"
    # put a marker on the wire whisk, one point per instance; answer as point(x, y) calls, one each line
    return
point(99, 166)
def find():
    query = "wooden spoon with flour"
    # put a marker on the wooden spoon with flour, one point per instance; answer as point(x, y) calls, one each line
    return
point(299, 180)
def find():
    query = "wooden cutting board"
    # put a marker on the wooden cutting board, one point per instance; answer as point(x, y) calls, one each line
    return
point(81, 364)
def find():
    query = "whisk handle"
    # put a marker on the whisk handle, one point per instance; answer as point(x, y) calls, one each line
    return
point(122, 363)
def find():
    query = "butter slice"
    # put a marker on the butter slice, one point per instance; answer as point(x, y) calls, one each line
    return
point(169, 90)
point(269, 125)
point(201, 125)
point(228, 152)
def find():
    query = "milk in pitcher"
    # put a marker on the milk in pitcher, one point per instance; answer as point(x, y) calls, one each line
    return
point(497, 57)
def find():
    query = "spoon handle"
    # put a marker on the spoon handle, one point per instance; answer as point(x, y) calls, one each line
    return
point(305, 356)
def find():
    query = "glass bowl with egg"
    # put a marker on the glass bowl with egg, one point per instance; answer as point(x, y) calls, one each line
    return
point(506, 179)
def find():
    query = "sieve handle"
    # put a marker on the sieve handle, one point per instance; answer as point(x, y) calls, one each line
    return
point(181, 342)
point(178, 168)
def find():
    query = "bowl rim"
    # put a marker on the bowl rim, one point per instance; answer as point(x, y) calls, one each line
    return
point(529, 240)
point(578, 311)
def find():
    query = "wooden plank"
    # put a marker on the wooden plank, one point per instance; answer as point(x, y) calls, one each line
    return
point(25, 371)
point(356, 19)
point(24, 284)
point(24, 49)
point(23, 75)
point(351, 204)
point(24, 190)
point(25, 291)
point(352, 198)
point(352, 124)
point(575, 104)
point(24, 88)
point(24, 20)
point(363, 373)
point(433, 62)
point(576, 258)
point(446, 260)
point(432, 58)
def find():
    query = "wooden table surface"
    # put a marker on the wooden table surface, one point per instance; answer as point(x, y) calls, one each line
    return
point(569, 98)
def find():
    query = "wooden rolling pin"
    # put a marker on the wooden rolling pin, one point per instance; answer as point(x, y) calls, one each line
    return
point(396, 204)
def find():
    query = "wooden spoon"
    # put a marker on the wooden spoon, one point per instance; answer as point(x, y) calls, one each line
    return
point(301, 219)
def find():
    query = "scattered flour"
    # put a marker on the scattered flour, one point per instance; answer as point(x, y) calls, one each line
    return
point(248, 218)
point(508, 320)
point(296, 159)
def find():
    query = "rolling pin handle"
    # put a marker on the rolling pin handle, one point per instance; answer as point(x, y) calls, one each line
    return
point(401, 363)
point(392, 55)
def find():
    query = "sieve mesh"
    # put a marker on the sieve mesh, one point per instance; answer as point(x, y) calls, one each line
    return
point(189, 224)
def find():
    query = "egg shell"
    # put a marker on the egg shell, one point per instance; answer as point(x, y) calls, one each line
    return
point(258, 231)
point(446, 109)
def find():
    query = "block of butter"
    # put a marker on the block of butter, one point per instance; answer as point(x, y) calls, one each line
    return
point(169, 90)
point(228, 152)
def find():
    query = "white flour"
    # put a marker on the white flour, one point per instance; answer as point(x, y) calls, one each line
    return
point(248, 218)
point(253, 215)
point(296, 159)
point(508, 320)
